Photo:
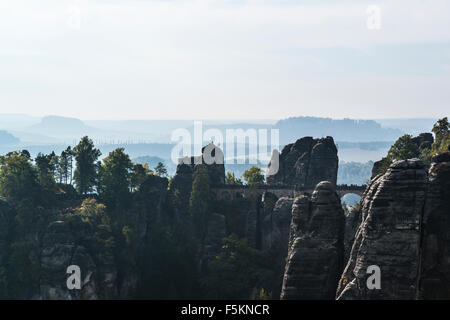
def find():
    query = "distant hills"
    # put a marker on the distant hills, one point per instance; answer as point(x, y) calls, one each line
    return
point(63, 127)
point(413, 126)
point(357, 140)
point(341, 130)
point(51, 129)
point(7, 139)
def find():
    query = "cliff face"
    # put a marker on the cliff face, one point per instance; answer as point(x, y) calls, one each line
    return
point(86, 240)
point(377, 168)
point(352, 223)
point(423, 140)
point(64, 246)
point(213, 240)
point(389, 235)
point(306, 162)
point(435, 259)
point(404, 231)
point(186, 167)
point(275, 227)
point(316, 246)
point(402, 227)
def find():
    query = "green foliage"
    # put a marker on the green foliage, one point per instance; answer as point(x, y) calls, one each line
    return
point(236, 271)
point(385, 164)
point(95, 214)
point(20, 225)
point(115, 178)
point(18, 177)
point(354, 172)
point(441, 130)
point(168, 267)
point(65, 166)
point(404, 148)
point(23, 276)
point(160, 170)
point(200, 200)
point(85, 174)
point(231, 179)
point(46, 167)
point(91, 208)
point(254, 176)
point(263, 295)
point(139, 173)
point(235, 212)
point(269, 202)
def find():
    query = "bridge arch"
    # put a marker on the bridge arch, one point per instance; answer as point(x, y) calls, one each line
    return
point(350, 199)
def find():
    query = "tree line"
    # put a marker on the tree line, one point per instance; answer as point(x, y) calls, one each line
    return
point(112, 177)
point(405, 147)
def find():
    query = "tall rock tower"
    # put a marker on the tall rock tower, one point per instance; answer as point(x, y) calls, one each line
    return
point(316, 246)
point(305, 163)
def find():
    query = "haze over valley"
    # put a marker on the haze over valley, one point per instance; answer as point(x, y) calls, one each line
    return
point(359, 141)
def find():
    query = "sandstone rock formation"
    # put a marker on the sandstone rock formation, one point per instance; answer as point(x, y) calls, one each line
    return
point(377, 168)
point(212, 156)
point(306, 162)
point(275, 227)
point(213, 240)
point(389, 235)
point(252, 221)
point(423, 141)
point(352, 223)
point(315, 256)
point(435, 259)
point(63, 247)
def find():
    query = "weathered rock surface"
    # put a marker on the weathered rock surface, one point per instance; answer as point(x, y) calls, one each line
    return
point(352, 223)
point(306, 162)
point(315, 256)
point(423, 140)
point(63, 248)
point(435, 260)
point(251, 226)
point(389, 235)
point(149, 212)
point(276, 225)
point(212, 156)
point(213, 240)
point(377, 168)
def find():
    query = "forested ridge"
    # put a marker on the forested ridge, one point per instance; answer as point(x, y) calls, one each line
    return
point(139, 226)
point(138, 233)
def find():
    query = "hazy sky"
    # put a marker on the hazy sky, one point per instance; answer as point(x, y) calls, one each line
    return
point(182, 59)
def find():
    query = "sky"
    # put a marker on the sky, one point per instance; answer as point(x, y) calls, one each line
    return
point(229, 59)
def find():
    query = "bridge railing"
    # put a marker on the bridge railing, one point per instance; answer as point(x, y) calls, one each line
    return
point(287, 187)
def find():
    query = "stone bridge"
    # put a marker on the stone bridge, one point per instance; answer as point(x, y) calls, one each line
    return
point(230, 192)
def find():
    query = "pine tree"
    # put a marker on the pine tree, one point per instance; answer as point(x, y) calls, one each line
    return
point(161, 170)
point(115, 178)
point(85, 174)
